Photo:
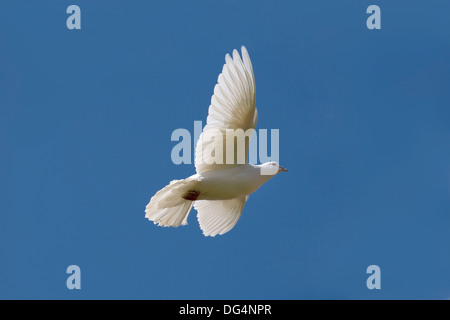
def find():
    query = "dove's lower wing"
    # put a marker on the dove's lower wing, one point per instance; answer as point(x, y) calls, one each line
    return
point(219, 216)
point(232, 111)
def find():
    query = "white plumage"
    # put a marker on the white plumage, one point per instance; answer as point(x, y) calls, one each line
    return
point(222, 184)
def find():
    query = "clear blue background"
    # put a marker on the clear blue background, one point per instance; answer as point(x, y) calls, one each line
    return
point(85, 123)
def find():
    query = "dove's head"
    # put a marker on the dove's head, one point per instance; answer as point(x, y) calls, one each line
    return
point(271, 168)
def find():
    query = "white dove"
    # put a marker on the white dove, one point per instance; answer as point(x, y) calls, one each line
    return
point(220, 188)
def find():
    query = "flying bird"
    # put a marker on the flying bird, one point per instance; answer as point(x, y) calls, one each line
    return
point(224, 181)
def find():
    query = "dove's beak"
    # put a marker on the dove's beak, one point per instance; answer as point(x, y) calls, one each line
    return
point(283, 169)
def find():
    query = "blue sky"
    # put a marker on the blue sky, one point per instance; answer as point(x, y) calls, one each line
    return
point(86, 118)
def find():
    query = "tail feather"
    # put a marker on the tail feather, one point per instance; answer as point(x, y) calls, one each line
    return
point(168, 207)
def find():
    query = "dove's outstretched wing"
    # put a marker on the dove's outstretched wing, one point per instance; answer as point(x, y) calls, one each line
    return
point(218, 217)
point(232, 107)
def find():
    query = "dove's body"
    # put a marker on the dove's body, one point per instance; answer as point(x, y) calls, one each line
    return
point(220, 189)
point(227, 183)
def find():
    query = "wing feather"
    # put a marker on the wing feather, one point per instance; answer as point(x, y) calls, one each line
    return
point(219, 216)
point(233, 106)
